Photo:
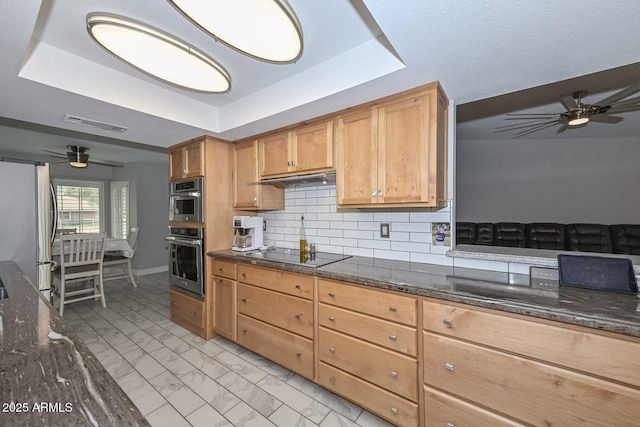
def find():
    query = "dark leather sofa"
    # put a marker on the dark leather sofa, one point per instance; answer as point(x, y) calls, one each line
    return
point(617, 239)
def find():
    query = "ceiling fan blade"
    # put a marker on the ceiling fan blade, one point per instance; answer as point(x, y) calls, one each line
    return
point(562, 128)
point(106, 163)
point(605, 118)
point(624, 109)
point(629, 101)
point(527, 132)
point(54, 154)
point(619, 95)
point(521, 126)
point(568, 102)
point(532, 114)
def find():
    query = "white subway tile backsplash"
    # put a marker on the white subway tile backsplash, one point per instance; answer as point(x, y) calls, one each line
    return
point(391, 216)
point(400, 256)
point(354, 231)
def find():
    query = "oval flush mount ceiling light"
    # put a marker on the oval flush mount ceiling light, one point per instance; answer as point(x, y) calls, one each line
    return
point(267, 30)
point(158, 54)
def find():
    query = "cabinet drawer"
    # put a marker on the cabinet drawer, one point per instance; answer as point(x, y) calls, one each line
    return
point(393, 371)
point(298, 285)
point(223, 268)
point(387, 334)
point(576, 349)
point(385, 305)
point(394, 408)
point(527, 390)
point(441, 409)
point(284, 348)
point(287, 312)
point(187, 309)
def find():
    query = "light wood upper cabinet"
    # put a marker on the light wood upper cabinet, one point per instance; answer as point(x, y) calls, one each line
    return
point(187, 160)
point(394, 153)
point(308, 148)
point(245, 170)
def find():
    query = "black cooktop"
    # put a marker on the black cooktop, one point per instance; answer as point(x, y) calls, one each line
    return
point(292, 256)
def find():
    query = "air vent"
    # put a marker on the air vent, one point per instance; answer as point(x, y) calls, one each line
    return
point(93, 123)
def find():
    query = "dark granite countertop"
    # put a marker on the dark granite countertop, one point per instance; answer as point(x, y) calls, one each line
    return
point(513, 293)
point(48, 377)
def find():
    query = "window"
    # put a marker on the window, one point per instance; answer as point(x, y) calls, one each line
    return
point(120, 209)
point(80, 205)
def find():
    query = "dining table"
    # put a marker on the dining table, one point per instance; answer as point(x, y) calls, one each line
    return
point(112, 245)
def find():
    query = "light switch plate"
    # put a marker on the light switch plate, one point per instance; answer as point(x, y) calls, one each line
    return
point(384, 230)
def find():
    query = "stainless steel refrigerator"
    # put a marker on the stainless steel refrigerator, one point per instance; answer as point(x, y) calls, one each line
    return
point(26, 227)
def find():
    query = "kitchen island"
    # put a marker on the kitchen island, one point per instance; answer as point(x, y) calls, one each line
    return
point(423, 345)
point(48, 377)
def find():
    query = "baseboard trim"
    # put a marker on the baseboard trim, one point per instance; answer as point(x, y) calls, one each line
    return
point(152, 270)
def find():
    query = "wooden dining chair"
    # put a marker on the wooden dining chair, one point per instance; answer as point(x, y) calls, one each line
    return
point(117, 259)
point(81, 257)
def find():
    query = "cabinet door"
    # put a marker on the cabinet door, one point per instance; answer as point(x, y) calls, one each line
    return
point(176, 166)
point(224, 307)
point(356, 165)
point(193, 159)
point(404, 151)
point(312, 147)
point(245, 169)
point(274, 155)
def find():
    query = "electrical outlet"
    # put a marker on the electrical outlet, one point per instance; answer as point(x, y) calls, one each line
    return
point(384, 230)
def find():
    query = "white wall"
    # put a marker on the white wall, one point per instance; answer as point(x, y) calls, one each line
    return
point(567, 180)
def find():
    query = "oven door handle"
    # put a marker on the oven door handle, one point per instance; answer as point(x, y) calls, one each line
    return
point(186, 195)
point(185, 242)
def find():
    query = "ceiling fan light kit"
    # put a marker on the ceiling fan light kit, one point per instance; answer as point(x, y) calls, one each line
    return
point(578, 114)
point(78, 157)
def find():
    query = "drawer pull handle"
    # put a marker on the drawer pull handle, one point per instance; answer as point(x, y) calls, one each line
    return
point(244, 275)
point(220, 281)
point(298, 355)
point(332, 350)
point(448, 367)
point(393, 308)
point(393, 338)
point(373, 194)
point(394, 411)
point(244, 300)
point(299, 316)
point(332, 380)
point(332, 294)
point(244, 332)
point(448, 322)
point(394, 374)
point(174, 304)
point(298, 287)
point(332, 319)
point(450, 425)
point(195, 313)
point(221, 269)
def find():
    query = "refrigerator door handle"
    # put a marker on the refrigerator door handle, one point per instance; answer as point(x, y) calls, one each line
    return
point(54, 216)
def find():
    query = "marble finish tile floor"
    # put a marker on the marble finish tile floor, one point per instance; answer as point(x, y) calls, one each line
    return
point(178, 379)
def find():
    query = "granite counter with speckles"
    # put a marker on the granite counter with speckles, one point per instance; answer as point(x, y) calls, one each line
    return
point(48, 377)
point(513, 293)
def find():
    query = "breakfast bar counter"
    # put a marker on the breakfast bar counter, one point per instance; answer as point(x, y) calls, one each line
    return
point(47, 375)
point(514, 293)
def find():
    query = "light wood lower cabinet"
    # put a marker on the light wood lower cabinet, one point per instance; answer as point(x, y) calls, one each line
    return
point(441, 409)
point(224, 307)
point(285, 348)
point(393, 408)
point(188, 312)
point(298, 285)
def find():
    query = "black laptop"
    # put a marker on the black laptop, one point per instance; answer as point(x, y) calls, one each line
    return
point(600, 273)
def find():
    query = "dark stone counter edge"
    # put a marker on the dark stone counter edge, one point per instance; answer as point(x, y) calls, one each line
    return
point(527, 309)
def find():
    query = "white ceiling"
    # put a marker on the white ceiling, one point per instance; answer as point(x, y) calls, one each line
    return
point(355, 51)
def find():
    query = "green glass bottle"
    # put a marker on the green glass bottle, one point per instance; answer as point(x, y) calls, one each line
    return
point(303, 241)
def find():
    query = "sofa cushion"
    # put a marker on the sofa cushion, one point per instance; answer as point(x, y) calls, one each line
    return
point(625, 239)
point(509, 234)
point(484, 233)
point(588, 238)
point(545, 235)
point(465, 233)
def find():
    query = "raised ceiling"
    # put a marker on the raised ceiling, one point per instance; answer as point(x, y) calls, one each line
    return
point(355, 51)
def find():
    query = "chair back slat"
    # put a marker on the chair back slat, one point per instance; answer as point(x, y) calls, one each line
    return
point(81, 249)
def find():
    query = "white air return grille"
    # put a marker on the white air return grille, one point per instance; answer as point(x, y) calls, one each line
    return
point(93, 123)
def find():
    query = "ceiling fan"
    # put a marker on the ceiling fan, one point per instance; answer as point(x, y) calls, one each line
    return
point(578, 113)
point(78, 157)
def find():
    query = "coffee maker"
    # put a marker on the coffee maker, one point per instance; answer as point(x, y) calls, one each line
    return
point(247, 234)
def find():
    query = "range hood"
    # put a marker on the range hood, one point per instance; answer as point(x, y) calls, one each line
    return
point(312, 180)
